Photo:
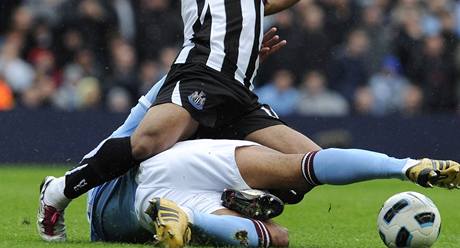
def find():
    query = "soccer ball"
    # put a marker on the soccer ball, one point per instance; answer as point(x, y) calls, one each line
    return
point(409, 219)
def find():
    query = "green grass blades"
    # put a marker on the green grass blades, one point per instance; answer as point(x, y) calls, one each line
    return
point(328, 217)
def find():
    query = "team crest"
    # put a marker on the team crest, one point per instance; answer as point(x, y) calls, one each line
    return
point(197, 99)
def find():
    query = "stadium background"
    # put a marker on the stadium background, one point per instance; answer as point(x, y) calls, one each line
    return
point(376, 74)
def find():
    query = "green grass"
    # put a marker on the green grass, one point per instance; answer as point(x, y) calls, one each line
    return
point(328, 217)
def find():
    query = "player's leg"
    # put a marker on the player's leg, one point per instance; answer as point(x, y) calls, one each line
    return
point(283, 139)
point(263, 126)
point(117, 155)
point(227, 228)
point(52, 198)
point(286, 140)
point(156, 133)
point(211, 224)
point(113, 158)
point(193, 175)
point(262, 167)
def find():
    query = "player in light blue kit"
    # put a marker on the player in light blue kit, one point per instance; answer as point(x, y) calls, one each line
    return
point(112, 206)
point(183, 186)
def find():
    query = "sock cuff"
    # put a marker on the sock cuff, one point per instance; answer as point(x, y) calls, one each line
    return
point(262, 233)
point(308, 170)
point(409, 163)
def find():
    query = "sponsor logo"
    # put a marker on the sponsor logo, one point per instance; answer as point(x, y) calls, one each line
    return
point(197, 99)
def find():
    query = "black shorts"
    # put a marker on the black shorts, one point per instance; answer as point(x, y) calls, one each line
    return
point(223, 107)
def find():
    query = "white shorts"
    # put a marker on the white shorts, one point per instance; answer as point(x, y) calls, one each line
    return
point(193, 174)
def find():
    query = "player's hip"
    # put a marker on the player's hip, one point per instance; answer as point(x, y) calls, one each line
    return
point(211, 97)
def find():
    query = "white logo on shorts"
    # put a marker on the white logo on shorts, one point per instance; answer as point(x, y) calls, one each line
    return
point(197, 99)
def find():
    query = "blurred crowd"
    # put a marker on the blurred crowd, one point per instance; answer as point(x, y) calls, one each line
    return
point(362, 57)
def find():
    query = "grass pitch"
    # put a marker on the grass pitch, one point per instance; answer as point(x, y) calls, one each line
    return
point(329, 217)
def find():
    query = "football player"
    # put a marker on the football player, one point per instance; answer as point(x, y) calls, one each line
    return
point(141, 205)
point(52, 202)
point(207, 93)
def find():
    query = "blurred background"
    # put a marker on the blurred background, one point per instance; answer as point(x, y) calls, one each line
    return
point(376, 74)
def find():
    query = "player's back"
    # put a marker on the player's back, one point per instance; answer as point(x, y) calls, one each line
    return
point(224, 35)
point(111, 211)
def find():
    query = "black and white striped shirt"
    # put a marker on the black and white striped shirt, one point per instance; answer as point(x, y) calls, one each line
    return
point(224, 35)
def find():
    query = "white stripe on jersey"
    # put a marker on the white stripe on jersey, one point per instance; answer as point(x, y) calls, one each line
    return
point(218, 30)
point(249, 17)
point(189, 12)
point(227, 44)
point(261, 37)
point(203, 13)
point(175, 97)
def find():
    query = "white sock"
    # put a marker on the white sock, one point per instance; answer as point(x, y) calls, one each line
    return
point(54, 194)
point(409, 163)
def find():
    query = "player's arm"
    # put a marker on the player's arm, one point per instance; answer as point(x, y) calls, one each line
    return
point(275, 6)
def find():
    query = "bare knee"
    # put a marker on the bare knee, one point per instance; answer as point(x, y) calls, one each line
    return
point(279, 235)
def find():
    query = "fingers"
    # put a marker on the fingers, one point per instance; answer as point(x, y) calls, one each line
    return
point(278, 46)
point(273, 41)
point(269, 34)
point(267, 51)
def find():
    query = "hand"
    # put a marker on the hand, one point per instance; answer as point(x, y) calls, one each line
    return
point(270, 44)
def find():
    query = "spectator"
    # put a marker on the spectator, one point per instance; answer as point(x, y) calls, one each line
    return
point(17, 72)
point(363, 101)
point(6, 97)
point(118, 100)
point(89, 93)
point(280, 94)
point(6, 11)
point(95, 21)
point(387, 87)
point(43, 62)
point(436, 76)
point(68, 45)
point(316, 46)
point(290, 57)
point(149, 74)
point(21, 20)
point(124, 11)
point(315, 99)
point(57, 49)
point(341, 16)
point(413, 101)
point(45, 9)
point(158, 26)
point(349, 69)
point(408, 44)
point(447, 20)
point(40, 94)
point(124, 73)
point(378, 35)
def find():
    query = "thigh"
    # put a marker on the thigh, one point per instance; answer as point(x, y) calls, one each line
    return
point(161, 128)
point(265, 168)
point(283, 139)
